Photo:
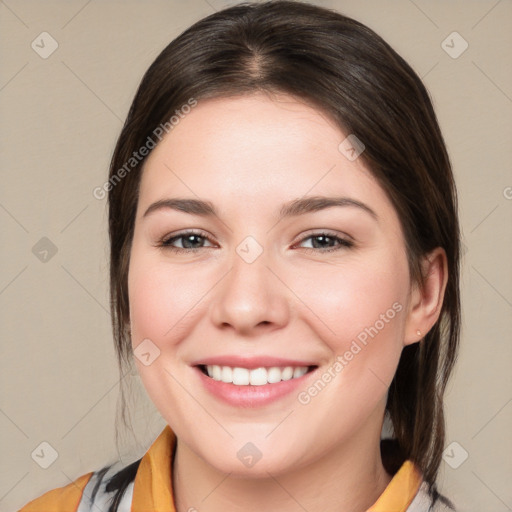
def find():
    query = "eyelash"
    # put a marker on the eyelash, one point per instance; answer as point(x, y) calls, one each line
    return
point(342, 242)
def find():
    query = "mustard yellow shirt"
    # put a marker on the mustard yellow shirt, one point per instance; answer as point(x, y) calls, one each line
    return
point(152, 487)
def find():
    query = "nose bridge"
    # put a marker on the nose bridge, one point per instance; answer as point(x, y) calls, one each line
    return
point(250, 295)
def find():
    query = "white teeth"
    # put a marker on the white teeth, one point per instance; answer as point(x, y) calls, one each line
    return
point(258, 377)
point(240, 376)
point(215, 372)
point(287, 373)
point(299, 372)
point(255, 377)
point(274, 375)
point(226, 374)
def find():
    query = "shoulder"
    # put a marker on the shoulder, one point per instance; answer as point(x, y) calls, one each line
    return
point(63, 499)
point(97, 490)
point(424, 501)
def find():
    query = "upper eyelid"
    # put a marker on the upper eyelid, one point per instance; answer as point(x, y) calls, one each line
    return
point(182, 234)
point(327, 232)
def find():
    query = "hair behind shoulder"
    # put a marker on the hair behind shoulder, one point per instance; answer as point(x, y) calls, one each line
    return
point(116, 483)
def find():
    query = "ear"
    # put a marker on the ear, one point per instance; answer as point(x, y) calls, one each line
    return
point(426, 301)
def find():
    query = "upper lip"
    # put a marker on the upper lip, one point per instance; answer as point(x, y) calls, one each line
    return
point(251, 362)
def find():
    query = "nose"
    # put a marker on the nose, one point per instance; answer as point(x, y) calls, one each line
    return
point(251, 298)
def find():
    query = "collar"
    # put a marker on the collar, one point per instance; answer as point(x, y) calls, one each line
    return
point(152, 488)
point(400, 492)
point(153, 482)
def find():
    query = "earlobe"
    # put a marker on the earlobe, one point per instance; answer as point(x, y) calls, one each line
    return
point(427, 300)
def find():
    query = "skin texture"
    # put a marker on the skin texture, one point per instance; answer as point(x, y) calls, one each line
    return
point(248, 156)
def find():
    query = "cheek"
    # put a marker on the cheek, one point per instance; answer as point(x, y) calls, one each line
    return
point(364, 309)
point(361, 314)
point(349, 299)
point(164, 303)
point(149, 306)
point(147, 298)
point(164, 307)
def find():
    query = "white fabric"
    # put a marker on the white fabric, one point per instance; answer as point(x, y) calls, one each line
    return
point(423, 503)
point(102, 499)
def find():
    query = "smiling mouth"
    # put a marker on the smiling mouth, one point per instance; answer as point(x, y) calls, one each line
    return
point(254, 377)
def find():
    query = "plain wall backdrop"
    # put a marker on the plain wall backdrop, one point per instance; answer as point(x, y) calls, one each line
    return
point(69, 70)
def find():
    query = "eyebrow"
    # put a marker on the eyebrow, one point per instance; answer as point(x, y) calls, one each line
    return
point(293, 208)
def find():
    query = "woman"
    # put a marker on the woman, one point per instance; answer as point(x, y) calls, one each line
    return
point(284, 272)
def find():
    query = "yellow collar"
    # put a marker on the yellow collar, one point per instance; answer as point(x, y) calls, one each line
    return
point(400, 492)
point(153, 482)
point(152, 489)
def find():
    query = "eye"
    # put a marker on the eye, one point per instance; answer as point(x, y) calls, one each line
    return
point(320, 241)
point(190, 241)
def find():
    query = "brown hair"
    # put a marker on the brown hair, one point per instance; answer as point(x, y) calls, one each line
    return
point(347, 71)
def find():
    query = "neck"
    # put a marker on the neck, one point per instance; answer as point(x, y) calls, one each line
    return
point(350, 477)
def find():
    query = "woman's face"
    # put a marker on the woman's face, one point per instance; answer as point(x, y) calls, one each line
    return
point(273, 278)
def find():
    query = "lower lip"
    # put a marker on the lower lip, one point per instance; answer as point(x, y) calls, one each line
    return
point(252, 396)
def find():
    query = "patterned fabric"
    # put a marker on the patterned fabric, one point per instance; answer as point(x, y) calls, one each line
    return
point(152, 488)
point(96, 498)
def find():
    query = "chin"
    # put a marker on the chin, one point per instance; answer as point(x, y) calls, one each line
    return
point(260, 469)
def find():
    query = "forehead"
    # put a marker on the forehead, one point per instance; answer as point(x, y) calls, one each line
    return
point(253, 123)
point(255, 149)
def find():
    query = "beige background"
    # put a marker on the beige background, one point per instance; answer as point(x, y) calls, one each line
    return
point(60, 117)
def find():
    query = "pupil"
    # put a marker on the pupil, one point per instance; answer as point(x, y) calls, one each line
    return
point(189, 239)
point(323, 237)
